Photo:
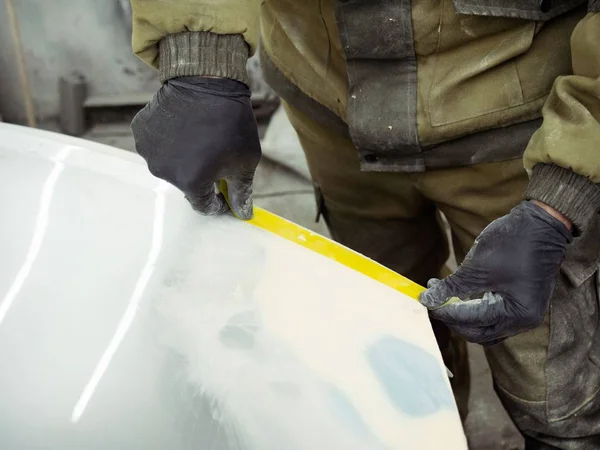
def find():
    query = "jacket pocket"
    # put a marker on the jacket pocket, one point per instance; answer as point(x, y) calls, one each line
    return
point(496, 60)
point(518, 9)
point(475, 73)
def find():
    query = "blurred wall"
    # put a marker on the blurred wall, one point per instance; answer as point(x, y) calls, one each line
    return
point(59, 36)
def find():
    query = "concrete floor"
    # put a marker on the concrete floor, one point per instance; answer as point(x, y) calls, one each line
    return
point(281, 186)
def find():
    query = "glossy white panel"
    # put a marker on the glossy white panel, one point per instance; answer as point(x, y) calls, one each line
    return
point(131, 322)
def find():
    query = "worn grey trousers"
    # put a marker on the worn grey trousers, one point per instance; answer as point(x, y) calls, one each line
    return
point(548, 378)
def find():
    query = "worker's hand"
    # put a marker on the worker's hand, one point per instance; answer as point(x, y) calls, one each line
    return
point(197, 131)
point(514, 263)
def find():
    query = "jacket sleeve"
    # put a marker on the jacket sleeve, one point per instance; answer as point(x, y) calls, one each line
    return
point(563, 156)
point(196, 37)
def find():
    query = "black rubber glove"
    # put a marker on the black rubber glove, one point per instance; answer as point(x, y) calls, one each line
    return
point(515, 263)
point(197, 131)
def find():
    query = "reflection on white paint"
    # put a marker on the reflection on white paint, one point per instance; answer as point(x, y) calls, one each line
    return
point(130, 312)
point(41, 224)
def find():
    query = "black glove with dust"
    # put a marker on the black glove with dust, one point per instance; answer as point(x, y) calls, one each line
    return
point(197, 131)
point(515, 263)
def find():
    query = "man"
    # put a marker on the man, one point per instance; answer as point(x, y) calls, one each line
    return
point(406, 109)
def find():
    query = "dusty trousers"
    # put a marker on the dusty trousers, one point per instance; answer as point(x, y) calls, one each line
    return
point(548, 379)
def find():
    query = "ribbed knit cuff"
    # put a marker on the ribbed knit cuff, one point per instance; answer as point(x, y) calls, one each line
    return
point(206, 54)
point(573, 195)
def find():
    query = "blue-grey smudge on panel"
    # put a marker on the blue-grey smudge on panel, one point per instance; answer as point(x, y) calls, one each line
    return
point(240, 331)
point(345, 411)
point(410, 376)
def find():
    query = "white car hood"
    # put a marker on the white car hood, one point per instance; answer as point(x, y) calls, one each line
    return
point(127, 321)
